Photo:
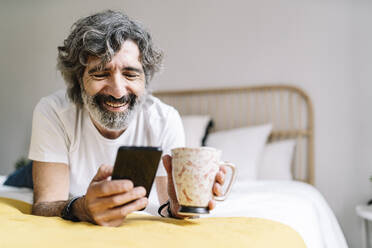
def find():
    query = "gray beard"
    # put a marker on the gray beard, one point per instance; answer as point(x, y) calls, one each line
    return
point(112, 121)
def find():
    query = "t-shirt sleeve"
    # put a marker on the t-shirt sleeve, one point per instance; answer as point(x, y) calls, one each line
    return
point(173, 136)
point(49, 142)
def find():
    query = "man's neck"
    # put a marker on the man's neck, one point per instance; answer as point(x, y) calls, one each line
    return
point(109, 134)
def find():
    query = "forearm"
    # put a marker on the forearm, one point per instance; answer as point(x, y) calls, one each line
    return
point(161, 187)
point(55, 209)
point(48, 208)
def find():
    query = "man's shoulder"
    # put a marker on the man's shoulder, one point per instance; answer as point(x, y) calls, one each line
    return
point(56, 103)
point(58, 99)
point(157, 108)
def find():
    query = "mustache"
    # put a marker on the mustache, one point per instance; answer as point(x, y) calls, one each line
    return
point(129, 98)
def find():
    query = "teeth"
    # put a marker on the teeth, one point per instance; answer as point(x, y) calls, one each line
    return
point(115, 105)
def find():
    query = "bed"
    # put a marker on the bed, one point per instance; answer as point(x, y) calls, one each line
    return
point(263, 120)
point(293, 199)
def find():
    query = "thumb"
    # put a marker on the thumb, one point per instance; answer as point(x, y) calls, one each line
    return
point(103, 173)
point(167, 162)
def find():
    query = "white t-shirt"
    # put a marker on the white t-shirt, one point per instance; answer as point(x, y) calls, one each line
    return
point(63, 133)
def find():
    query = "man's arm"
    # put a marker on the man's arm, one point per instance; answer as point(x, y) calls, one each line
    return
point(161, 188)
point(106, 202)
point(51, 187)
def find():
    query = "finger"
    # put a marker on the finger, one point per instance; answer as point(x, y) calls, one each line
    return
point(217, 189)
point(167, 162)
point(121, 199)
point(103, 173)
point(223, 169)
point(211, 204)
point(115, 214)
point(108, 188)
point(220, 177)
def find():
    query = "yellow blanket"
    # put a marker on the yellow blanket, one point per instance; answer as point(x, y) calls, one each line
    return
point(20, 229)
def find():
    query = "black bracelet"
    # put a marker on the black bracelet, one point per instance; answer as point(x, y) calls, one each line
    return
point(167, 204)
point(67, 213)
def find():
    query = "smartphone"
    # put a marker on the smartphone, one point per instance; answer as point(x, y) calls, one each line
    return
point(138, 164)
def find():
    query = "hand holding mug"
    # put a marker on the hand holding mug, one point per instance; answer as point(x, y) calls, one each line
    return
point(195, 179)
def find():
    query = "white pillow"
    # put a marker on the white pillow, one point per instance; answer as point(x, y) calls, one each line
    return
point(195, 127)
point(276, 161)
point(242, 147)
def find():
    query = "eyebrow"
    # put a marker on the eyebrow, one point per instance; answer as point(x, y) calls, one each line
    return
point(127, 68)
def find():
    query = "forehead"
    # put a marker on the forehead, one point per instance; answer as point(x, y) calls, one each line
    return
point(127, 56)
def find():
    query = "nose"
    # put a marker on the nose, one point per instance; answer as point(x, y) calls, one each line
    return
point(118, 86)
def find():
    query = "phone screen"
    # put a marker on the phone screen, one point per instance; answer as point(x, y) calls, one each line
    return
point(138, 164)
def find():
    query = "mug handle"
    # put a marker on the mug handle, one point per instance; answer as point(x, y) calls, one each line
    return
point(232, 180)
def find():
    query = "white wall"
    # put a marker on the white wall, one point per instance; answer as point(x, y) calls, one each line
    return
point(314, 44)
point(362, 81)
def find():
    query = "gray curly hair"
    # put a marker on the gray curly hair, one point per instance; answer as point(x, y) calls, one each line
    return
point(101, 35)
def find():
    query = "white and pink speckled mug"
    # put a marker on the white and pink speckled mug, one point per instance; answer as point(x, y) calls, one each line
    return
point(194, 171)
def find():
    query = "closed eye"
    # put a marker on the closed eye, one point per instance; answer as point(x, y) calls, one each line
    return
point(101, 75)
point(130, 76)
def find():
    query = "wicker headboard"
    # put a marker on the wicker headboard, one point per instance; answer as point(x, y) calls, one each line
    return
point(288, 108)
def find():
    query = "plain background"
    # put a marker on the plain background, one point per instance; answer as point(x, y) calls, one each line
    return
point(322, 46)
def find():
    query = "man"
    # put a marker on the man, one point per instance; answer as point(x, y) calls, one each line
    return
point(107, 62)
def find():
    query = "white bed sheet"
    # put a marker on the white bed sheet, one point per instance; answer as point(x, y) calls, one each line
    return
point(298, 205)
point(295, 204)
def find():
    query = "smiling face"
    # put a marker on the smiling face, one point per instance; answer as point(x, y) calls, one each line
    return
point(113, 94)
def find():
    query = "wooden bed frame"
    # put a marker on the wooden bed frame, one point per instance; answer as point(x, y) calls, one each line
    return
point(288, 108)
